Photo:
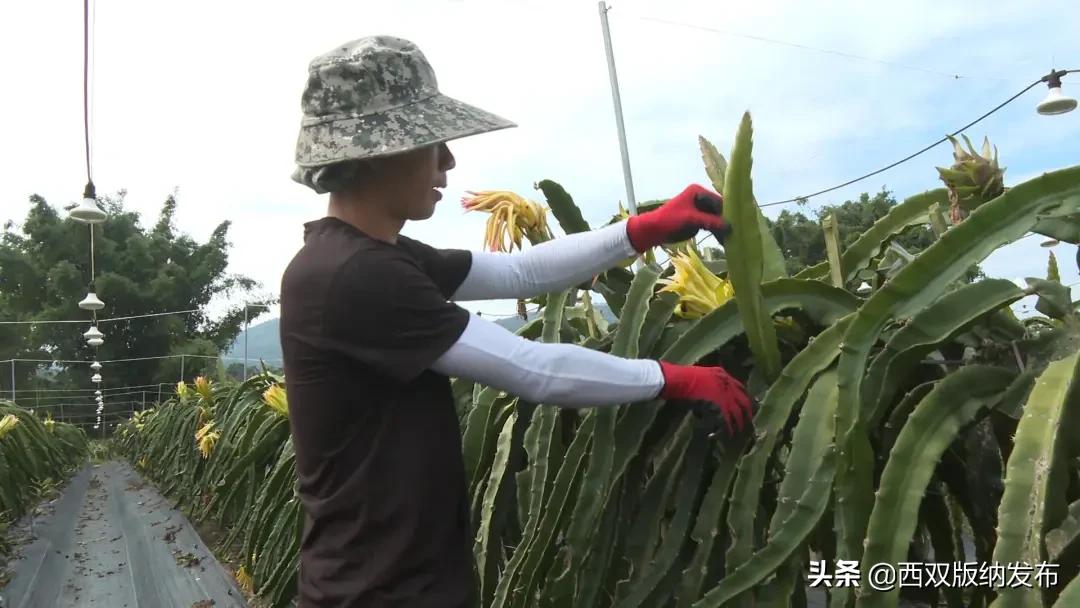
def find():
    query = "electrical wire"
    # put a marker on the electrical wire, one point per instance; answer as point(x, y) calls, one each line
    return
point(92, 271)
point(90, 390)
point(804, 198)
point(156, 314)
point(504, 316)
point(909, 157)
point(86, 83)
point(137, 359)
point(39, 400)
point(815, 49)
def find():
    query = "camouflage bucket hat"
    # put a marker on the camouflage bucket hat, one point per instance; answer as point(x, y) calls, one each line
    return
point(377, 96)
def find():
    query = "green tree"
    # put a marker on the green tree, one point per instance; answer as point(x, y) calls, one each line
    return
point(803, 242)
point(45, 271)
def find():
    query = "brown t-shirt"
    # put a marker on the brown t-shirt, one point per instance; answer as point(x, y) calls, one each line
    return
point(378, 447)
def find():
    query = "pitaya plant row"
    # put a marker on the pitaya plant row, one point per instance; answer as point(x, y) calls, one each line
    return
point(918, 422)
point(863, 450)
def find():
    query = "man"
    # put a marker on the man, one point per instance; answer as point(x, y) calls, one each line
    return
point(371, 335)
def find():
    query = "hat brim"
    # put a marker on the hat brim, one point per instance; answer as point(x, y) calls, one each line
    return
point(434, 120)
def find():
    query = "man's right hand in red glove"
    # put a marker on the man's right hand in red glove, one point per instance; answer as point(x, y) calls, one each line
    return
point(714, 386)
point(679, 219)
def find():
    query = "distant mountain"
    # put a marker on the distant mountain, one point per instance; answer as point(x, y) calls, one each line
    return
point(515, 323)
point(264, 341)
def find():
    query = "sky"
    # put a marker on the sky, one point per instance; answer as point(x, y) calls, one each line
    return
point(203, 99)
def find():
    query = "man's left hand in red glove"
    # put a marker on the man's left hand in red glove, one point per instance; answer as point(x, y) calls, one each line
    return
point(575, 258)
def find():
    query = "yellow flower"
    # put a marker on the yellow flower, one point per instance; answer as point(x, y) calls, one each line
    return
point(244, 579)
point(49, 422)
point(8, 423)
point(512, 217)
point(143, 462)
point(276, 398)
point(181, 390)
point(137, 419)
point(700, 291)
point(206, 438)
point(202, 386)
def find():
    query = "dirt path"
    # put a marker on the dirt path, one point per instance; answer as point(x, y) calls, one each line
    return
point(110, 540)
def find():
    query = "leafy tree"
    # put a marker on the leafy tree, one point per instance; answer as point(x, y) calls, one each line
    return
point(802, 239)
point(45, 271)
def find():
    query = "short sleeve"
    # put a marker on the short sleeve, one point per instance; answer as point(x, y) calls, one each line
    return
point(446, 267)
point(387, 313)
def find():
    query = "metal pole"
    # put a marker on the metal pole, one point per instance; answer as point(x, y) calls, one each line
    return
point(13, 380)
point(245, 339)
point(144, 400)
point(181, 368)
point(631, 201)
point(159, 393)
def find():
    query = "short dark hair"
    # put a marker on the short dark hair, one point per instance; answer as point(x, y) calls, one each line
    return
point(344, 176)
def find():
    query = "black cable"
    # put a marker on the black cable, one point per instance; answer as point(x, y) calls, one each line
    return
point(1046, 78)
point(907, 158)
point(86, 81)
point(811, 48)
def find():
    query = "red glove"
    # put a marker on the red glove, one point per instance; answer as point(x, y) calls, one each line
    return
point(710, 384)
point(679, 219)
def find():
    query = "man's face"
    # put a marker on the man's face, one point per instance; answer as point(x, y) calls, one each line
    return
point(411, 179)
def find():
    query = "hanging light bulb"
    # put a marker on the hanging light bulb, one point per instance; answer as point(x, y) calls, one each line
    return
point(1055, 102)
point(92, 333)
point(87, 211)
point(98, 393)
point(95, 341)
point(91, 301)
point(96, 378)
point(95, 366)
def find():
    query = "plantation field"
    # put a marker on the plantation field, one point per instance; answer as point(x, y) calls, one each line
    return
point(904, 414)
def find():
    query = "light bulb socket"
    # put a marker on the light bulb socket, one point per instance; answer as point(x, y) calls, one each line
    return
point(89, 191)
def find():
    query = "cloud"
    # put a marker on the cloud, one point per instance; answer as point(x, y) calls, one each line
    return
point(206, 97)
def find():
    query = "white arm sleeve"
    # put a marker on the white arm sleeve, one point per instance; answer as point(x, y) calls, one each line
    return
point(550, 266)
point(565, 375)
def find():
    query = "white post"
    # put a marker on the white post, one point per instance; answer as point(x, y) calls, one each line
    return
point(245, 339)
point(616, 100)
